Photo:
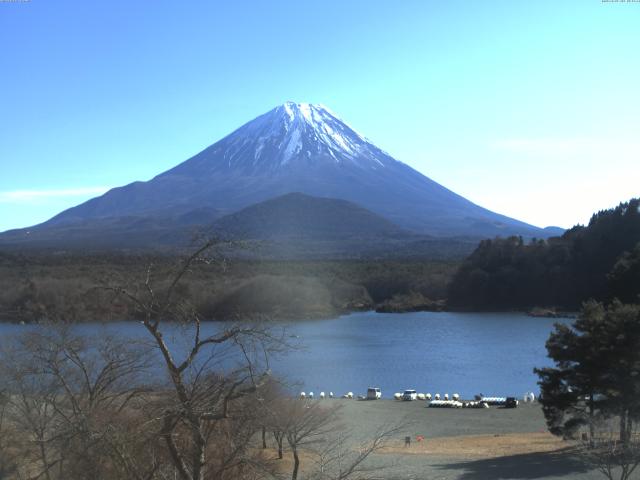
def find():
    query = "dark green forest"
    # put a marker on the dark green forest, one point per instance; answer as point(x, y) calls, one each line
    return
point(75, 288)
point(599, 261)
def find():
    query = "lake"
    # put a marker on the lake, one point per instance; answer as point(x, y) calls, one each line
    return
point(465, 353)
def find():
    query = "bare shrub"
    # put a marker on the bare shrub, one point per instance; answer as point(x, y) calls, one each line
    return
point(603, 449)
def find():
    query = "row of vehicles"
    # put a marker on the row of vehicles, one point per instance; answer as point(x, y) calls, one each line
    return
point(374, 393)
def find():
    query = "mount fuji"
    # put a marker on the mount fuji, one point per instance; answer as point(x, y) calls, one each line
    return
point(296, 147)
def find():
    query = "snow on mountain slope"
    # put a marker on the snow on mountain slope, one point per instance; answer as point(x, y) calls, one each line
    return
point(294, 134)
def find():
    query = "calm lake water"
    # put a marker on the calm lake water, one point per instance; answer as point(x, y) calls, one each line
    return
point(465, 353)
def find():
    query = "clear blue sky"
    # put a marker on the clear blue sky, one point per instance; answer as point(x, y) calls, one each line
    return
point(531, 109)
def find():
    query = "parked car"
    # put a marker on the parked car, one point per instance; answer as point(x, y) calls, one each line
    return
point(373, 393)
point(511, 402)
point(410, 395)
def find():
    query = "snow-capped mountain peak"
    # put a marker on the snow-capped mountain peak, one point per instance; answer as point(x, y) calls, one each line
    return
point(298, 135)
point(327, 126)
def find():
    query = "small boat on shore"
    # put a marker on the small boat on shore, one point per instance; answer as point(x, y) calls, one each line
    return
point(445, 404)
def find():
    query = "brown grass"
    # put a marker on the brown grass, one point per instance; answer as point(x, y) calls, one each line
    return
point(481, 446)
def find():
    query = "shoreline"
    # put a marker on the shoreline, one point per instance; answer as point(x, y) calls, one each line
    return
point(564, 315)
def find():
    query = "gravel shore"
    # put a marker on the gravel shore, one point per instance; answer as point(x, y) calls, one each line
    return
point(363, 416)
point(467, 444)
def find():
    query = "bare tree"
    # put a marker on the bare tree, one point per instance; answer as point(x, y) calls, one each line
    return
point(304, 424)
point(206, 394)
point(66, 395)
point(7, 458)
point(603, 450)
point(271, 404)
point(271, 397)
point(80, 410)
point(312, 428)
point(341, 458)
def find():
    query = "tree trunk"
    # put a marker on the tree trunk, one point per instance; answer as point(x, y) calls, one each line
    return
point(296, 465)
point(199, 458)
point(264, 437)
point(45, 460)
point(623, 427)
point(279, 439)
point(591, 425)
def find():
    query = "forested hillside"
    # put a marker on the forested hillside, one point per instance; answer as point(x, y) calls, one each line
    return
point(75, 288)
point(599, 261)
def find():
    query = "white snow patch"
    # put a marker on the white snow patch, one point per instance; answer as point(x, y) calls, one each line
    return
point(293, 147)
point(288, 107)
point(326, 127)
point(259, 148)
point(335, 116)
point(305, 111)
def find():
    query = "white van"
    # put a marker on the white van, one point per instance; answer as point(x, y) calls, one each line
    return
point(373, 393)
point(410, 395)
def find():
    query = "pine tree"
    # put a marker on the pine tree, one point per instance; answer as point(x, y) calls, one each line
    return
point(597, 370)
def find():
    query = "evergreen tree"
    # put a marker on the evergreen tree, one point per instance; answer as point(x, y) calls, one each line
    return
point(597, 370)
point(624, 279)
point(601, 261)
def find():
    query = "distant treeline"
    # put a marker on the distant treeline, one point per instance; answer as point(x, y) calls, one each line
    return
point(76, 288)
point(600, 261)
